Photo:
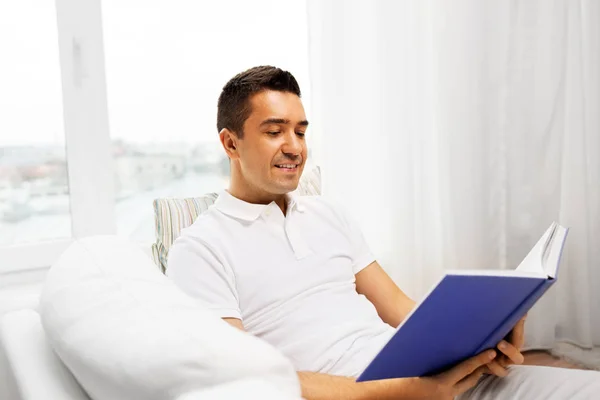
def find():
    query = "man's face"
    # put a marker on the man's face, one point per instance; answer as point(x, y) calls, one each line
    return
point(272, 151)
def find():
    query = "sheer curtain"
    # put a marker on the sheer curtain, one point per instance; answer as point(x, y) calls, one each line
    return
point(456, 132)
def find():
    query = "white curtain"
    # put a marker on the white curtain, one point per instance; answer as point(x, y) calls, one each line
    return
point(457, 131)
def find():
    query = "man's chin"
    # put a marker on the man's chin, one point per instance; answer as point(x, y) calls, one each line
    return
point(285, 188)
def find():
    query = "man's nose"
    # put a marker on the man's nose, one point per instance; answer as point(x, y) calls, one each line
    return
point(293, 145)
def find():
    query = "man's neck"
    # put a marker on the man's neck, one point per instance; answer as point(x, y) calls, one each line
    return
point(252, 196)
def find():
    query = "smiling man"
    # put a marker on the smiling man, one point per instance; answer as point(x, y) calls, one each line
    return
point(267, 145)
point(296, 271)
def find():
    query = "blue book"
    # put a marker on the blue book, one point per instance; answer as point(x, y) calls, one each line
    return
point(468, 312)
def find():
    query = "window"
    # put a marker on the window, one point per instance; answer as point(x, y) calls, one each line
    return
point(166, 62)
point(106, 106)
point(34, 189)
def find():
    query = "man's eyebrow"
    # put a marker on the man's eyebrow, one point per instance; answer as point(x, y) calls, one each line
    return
point(281, 121)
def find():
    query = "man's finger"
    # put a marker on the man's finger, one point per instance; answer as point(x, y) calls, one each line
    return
point(518, 335)
point(468, 382)
point(467, 367)
point(503, 361)
point(511, 352)
point(497, 369)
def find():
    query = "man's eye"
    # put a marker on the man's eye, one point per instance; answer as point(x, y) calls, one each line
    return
point(301, 134)
point(273, 133)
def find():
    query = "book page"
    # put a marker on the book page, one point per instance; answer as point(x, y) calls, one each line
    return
point(533, 261)
point(548, 244)
point(553, 255)
point(496, 272)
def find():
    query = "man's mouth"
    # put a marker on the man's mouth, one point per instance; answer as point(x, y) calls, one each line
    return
point(289, 167)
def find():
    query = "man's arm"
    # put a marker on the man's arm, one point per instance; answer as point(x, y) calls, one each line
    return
point(445, 386)
point(391, 303)
point(317, 386)
point(236, 323)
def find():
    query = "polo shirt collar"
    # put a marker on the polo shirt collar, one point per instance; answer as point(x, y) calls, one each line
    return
point(240, 209)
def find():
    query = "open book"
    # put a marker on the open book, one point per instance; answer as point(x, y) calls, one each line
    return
point(468, 312)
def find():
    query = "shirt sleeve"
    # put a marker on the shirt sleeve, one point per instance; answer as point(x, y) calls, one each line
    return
point(196, 269)
point(361, 253)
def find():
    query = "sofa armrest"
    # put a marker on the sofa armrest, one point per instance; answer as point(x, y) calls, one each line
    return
point(38, 372)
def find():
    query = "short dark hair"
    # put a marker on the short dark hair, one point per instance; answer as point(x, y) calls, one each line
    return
point(234, 108)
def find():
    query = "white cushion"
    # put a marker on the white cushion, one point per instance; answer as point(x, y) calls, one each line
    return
point(126, 331)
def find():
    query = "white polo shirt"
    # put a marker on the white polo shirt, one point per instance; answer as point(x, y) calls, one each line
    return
point(290, 279)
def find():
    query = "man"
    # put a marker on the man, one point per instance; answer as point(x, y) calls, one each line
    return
point(297, 272)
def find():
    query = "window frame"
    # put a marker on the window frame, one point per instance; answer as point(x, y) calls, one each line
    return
point(87, 137)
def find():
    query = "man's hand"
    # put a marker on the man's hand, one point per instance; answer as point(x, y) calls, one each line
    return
point(462, 377)
point(510, 350)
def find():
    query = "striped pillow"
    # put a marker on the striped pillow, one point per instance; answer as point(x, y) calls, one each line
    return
point(171, 215)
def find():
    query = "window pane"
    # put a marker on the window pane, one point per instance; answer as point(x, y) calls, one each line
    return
point(166, 62)
point(34, 193)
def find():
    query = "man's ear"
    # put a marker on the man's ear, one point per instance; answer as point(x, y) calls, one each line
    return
point(229, 140)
